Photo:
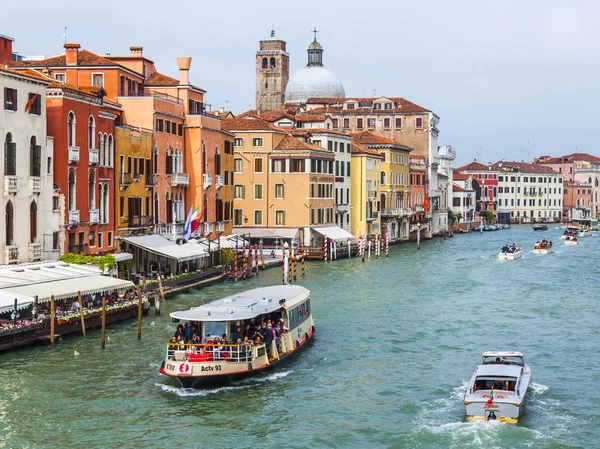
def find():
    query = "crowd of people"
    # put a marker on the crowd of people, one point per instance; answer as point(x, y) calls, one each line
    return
point(544, 244)
point(509, 249)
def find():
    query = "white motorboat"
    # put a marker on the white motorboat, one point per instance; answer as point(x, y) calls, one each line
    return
point(510, 252)
point(571, 240)
point(497, 388)
point(542, 247)
point(584, 232)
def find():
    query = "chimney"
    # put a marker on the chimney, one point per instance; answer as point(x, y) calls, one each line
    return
point(222, 110)
point(71, 52)
point(136, 52)
point(184, 63)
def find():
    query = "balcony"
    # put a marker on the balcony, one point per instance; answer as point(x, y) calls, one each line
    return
point(126, 180)
point(342, 208)
point(79, 249)
point(220, 227)
point(219, 181)
point(372, 193)
point(208, 227)
point(401, 212)
point(373, 216)
point(73, 155)
point(180, 179)
point(169, 230)
point(94, 216)
point(35, 185)
point(419, 209)
point(139, 221)
point(11, 254)
point(35, 251)
point(11, 184)
point(207, 180)
point(73, 217)
point(93, 155)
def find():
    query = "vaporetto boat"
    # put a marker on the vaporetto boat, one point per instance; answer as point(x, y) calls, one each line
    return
point(215, 362)
point(497, 388)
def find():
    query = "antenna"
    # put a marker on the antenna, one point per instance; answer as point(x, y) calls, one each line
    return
point(65, 35)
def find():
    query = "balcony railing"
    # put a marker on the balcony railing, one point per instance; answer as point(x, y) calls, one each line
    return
point(11, 184)
point(207, 180)
point(73, 217)
point(35, 251)
point(219, 181)
point(138, 221)
point(11, 254)
point(74, 154)
point(180, 179)
point(208, 227)
point(419, 209)
point(170, 229)
point(78, 249)
point(220, 227)
point(94, 215)
point(373, 216)
point(126, 180)
point(341, 208)
point(93, 155)
point(35, 185)
point(398, 212)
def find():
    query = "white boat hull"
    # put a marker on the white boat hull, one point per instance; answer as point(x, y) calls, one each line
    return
point(571, 242)
point(510, 256)
point(541, 251)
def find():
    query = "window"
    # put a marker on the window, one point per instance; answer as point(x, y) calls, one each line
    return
point(159, 125)
point(419, 123)
point(71, 129)
point(336, 123)
point(122, 206)
point(239, 191)
point(168, 126)
point(386, 123)
point(258, 164)
point(10, 99)
point(258, 218)
point(359, 123)
point(257, 142)
point(297, 166)
point(378, 106)
point(279, 191)
point(60, 77)
point(346, 123)
point(180, 130)
point(321, 216)
point(312, 216)
point(98, 79)
point(238, 142)
point(238, 215)
point(273, 63)
point(398, 122)
point(371, 122)
point(35, 158)
point(258, 191)
point(350, 106)
point(34, 105)
point(238, 165)
point(10, 156)
point(278, 166)
point(9, 215)
point(279, 218)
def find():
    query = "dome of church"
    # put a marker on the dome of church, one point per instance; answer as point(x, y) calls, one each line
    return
point(314, 80)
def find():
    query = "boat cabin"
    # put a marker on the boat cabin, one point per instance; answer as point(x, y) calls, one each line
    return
point(502, 358)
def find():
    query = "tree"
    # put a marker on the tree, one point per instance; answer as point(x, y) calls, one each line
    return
point(487, 216)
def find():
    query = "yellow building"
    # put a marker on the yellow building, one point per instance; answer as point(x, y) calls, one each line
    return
point(133, 183)
point(395, 183)
point(283, 185)
point(364, 201)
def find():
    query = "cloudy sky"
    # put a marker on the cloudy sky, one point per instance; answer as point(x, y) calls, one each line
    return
point(510, 80)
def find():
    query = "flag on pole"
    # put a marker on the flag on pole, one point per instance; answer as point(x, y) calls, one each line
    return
point(426, 203)
point(187, 229)
point(195, 219)
point(30, 102)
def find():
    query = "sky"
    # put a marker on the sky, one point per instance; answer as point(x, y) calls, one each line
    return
point(509, 80)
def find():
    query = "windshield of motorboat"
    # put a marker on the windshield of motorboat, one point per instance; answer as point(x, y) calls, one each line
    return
point(495, 382)
point(502, 360)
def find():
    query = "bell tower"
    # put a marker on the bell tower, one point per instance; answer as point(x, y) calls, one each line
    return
point(272, 73)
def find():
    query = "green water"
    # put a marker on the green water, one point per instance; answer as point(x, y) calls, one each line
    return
point(397, 340)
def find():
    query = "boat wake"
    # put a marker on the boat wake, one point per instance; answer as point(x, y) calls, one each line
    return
point(268, 377)
point(187, 392)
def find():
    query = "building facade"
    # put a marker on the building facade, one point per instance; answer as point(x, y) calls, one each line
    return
point(366, 190)
point(30, 225)
point(464, 200)
point(487, 178)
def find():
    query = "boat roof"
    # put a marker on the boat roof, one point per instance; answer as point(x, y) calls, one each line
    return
point(246, 305)
point(502, 354)
point(499, 370)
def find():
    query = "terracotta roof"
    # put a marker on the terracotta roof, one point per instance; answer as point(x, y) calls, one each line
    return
point(368, 138)
point(457, 188)
point(28, 73)
point(522, 167)
point(460, 176)
point(402, 104)
point(249, 124)
point(301, 132)
point(569, 158)
point(307, 117)
point(158, 79)
point(473, 166)
point(128, 58)
point(442, 175)
point(325, 131)
point(291, 143)
point(84, 58)
point(359, 149)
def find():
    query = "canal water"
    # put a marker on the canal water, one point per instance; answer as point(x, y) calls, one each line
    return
point(397, 341)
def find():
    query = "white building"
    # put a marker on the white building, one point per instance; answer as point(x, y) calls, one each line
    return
point(589, 175)
point(440, 186)
point(529, 192)
point(339, 143)
point(30, 230)
point(464, 199)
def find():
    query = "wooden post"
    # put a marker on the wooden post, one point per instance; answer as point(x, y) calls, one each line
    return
point(290, 273)
point(52, 318)
point(81, 313)
point(139, 315)
point(103, 322)
point(283, 268)
point(157, 305)
point(302, 261)
point(235, 254)
point(256, 258)
point(244, 262)
point(295, 263)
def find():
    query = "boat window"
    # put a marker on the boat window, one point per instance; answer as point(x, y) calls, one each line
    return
point(214, 328)
point(503, 360)
point(496, 383)
point(298, 314)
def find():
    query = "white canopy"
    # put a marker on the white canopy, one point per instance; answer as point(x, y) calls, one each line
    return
point(334, 233)
point(269, 233)
point(161, 246)
point(7, 302)
point(66, 288)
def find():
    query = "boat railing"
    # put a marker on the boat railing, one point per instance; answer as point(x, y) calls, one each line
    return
point(209, 352)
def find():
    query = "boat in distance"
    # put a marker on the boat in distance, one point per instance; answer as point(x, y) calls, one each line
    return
point(238, 336)
point(497, 388)
point(571, 240)
point(510, 252)
point(542, 247)
point(540, 227)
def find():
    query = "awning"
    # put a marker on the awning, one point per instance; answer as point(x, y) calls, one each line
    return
point(67, 288)
point(163, 247)
point(334, 233)
point(268, 233)
point(7, 302)
point(120, 257)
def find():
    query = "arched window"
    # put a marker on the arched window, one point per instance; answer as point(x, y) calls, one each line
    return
point(101, 202)
point(204, 159)
point(10, 156)
point(590, 180)
point(169, 206)
point(35, 158)
point(71, 129)
point(102, 161)
point(91, 131)
point(265, 63)
point(9, 223)
point(398, 178)
point(156, 209)
point(106, 203)
point(273, 63)
point(92, 191)
point(205, 209)
point(72, 203)
point(383, 178)
point(33, 222)
point(110, 152)
point(485, 192)
point(155, 164)
point(596, 182)
point(217, 162)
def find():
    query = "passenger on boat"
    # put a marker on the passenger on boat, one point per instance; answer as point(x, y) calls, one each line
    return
point(187, 332)
point(196, 339)
point(178, 332)
point(238, 334)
